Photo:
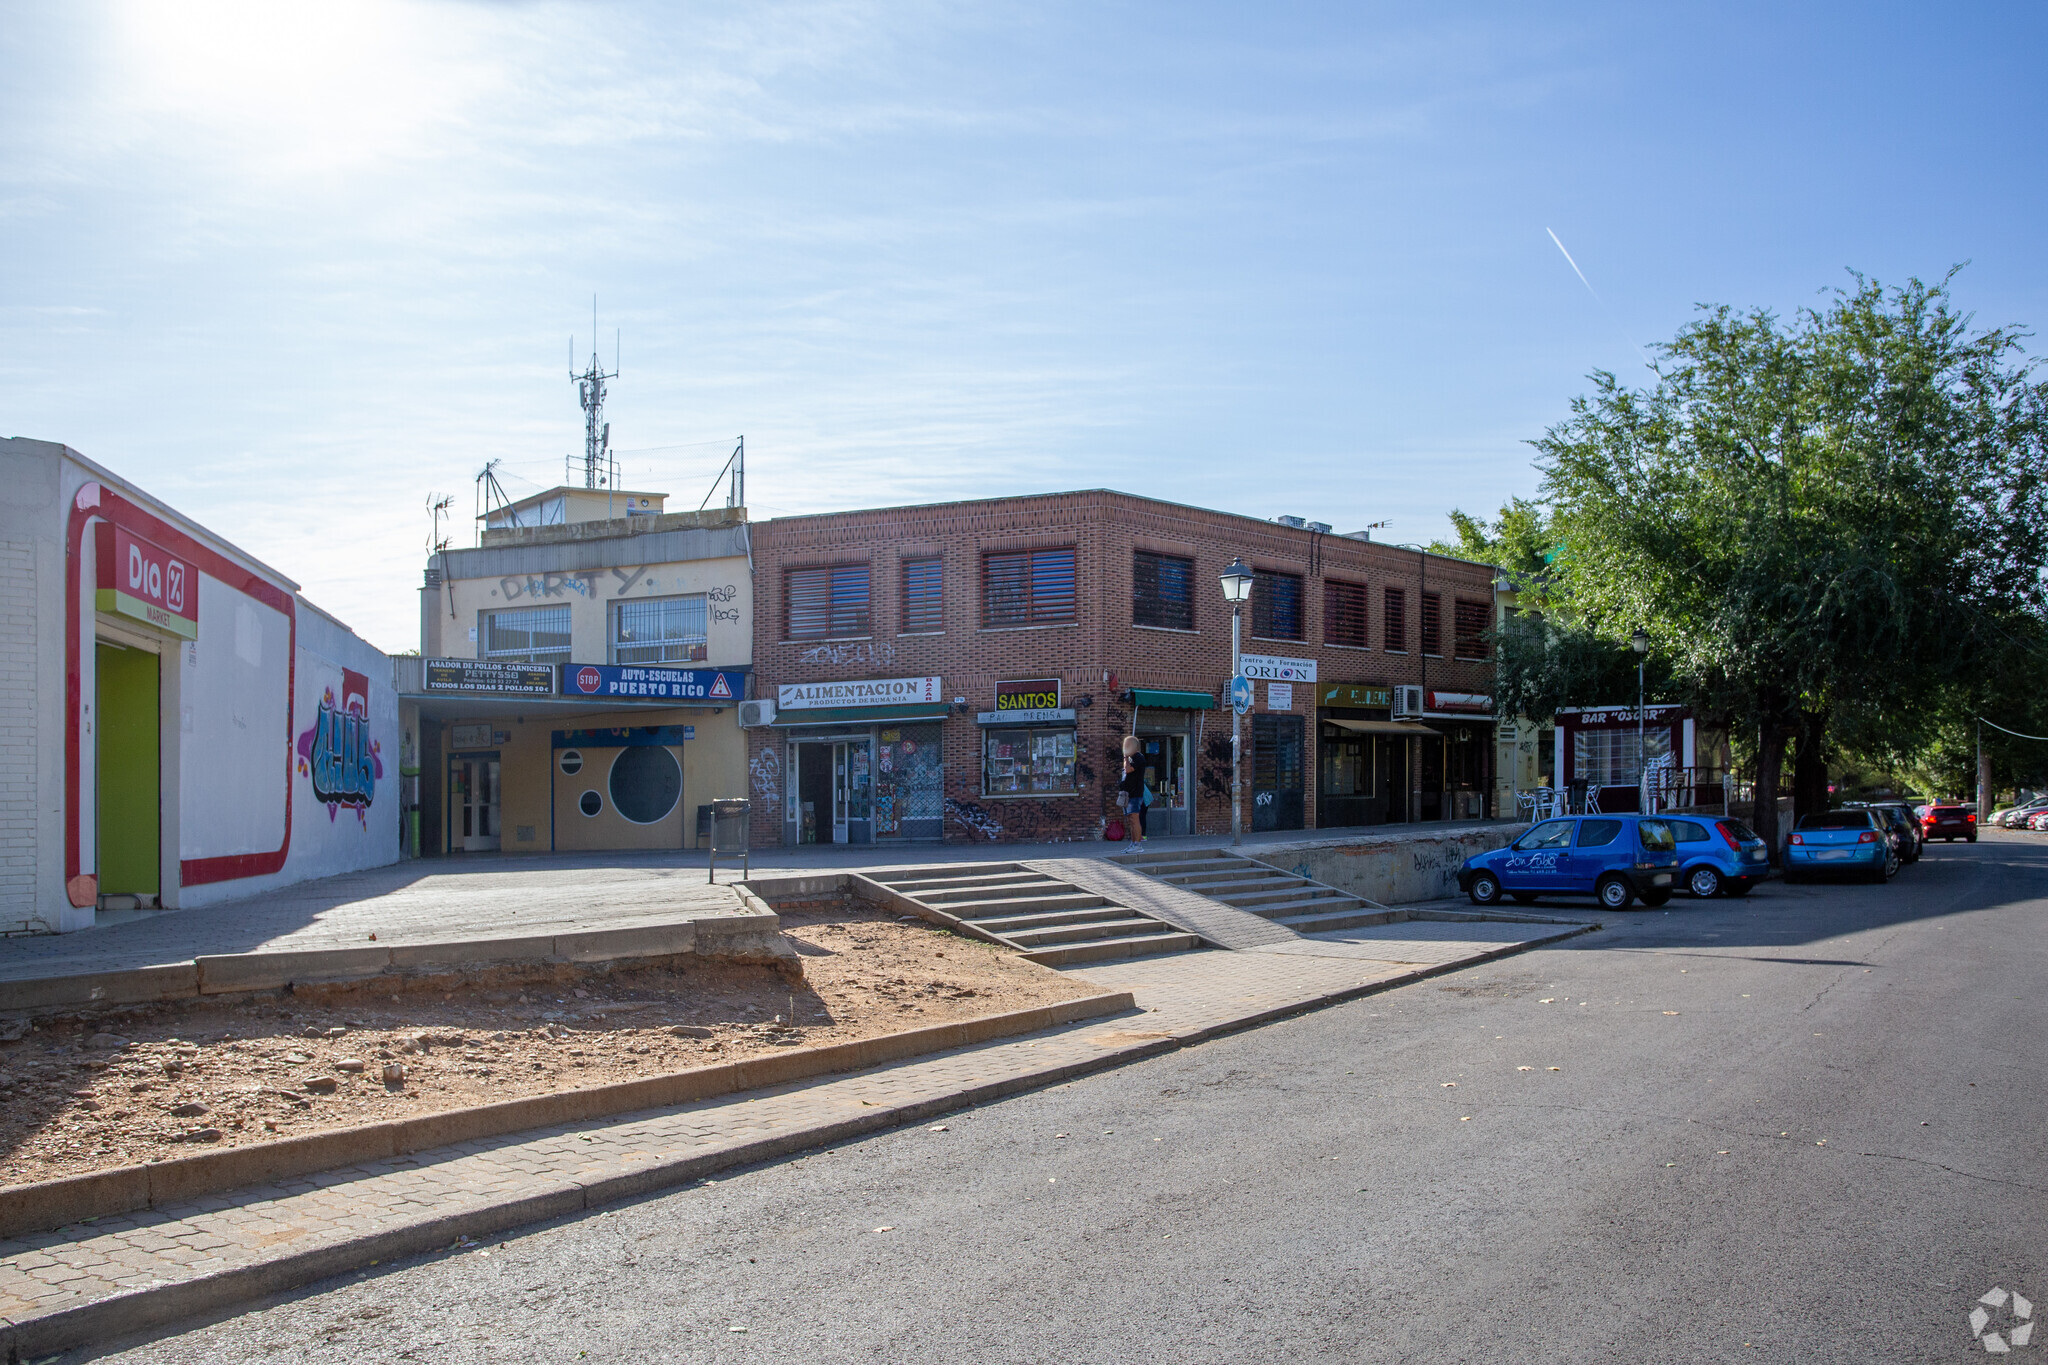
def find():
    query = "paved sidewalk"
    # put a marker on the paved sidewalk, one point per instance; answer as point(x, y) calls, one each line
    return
point(136, 1270)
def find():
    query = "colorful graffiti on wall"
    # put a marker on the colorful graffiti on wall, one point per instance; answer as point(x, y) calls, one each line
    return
point(338, 753)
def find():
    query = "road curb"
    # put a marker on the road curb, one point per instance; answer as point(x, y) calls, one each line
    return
point(160, 1305)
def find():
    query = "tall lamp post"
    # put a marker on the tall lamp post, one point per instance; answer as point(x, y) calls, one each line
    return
point(1237, 586)
point(1640, 643)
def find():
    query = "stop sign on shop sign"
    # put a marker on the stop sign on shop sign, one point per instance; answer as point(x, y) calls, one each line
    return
point(588, 679)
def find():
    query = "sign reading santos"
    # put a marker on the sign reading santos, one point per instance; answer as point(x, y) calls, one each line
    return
point(146, 582)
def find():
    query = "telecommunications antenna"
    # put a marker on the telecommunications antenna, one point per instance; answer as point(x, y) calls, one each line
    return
point(600, 469)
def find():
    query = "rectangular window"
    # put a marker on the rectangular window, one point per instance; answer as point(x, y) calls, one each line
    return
point(1609, 758)
point(1276, 606)
point(1027, 587)
point(1432, 628)
point(1472, 624)
point(534, 635)
point(827, 604)
point(661, 630)
point(921, 582)
point(1018, 761)
point(1394, 621)
point(1163, 591)
point(1344, 615)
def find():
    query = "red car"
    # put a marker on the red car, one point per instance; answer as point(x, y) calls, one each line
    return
point(1950, 823)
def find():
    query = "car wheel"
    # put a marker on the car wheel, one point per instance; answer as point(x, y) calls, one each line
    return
point(1485, 889)
point(1525, 897)
point(1653, 899)
point(1704, 882)
point(1614, 893)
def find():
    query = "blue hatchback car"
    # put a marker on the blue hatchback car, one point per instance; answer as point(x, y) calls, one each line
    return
point(1719, 856)
point(1615, 858)
point(1853, 840)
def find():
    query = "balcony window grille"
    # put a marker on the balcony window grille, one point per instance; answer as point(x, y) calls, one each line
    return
point(661, 630)
point(534, 635)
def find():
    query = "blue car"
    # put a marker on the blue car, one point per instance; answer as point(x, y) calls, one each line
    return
point(1613, 857)
point(1853, 841)
point(1719, 857)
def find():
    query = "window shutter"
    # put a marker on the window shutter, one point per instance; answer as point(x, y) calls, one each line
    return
point(850, 615)
point(1472, 624)
point(1027, 587)
point(1432, 631)
point(1394, 621)
point(1162, 591)
point(808, 601)
point(1344, 615)
point(1276, 605)
point(921, 600)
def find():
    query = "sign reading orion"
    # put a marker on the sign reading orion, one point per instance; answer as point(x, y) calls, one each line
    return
point(338, 753)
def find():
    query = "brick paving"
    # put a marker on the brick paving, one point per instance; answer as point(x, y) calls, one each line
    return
point(86, 1283)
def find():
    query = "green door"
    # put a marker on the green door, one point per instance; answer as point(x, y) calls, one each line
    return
point(130, 766)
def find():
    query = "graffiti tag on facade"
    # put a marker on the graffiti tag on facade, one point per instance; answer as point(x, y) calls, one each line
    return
point(338, 753)
point(878, 653)
point(767, 773)
point(543, 585)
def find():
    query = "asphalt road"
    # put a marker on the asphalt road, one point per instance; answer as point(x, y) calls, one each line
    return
point(1805, 1126)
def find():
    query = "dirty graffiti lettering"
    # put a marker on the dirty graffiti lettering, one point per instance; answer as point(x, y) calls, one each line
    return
point(876, 653)
point(626, 581)
point(767, 774)
point(724, 594)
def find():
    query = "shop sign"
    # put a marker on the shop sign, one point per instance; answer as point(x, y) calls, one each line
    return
point(866, 692)
point(1037, 715)
point(476, 736)
point(1274, 668)
point(1279, 696)
point(475, 675)
point(641, 680)
point(146, 583)
point(1041, 694)
point(1470, 703)
point(1345, 694)
point(1613, 715)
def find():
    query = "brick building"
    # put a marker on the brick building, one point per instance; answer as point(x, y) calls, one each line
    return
point(968, 671)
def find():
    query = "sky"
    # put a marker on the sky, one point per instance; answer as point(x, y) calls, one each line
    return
point(296, 269)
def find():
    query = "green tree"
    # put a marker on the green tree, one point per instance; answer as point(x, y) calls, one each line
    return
point(1831, 527)
point(1517, 542)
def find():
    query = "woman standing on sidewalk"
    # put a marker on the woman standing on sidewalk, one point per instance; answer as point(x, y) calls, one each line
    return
point(1133, 789)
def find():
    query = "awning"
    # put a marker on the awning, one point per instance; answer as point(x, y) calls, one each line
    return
point(857, 715)
point(1173, 701)
point(1381, 727)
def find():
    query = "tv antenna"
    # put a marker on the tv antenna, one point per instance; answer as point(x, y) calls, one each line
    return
point(600, 468)
point(438, 508)
point(491, 497)
point(736, 493)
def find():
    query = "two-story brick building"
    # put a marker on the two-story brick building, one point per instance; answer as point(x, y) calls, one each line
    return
point(969, 671)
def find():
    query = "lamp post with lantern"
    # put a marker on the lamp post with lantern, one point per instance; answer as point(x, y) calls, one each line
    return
point(1640, 643)
point(1237, 586)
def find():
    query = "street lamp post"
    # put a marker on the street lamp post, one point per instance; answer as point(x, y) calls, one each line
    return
point(1640, 643)
point(1237, 586)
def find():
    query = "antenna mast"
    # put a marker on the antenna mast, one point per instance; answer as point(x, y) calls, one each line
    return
point(600, 470)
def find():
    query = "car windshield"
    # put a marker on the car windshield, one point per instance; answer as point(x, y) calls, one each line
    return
point(1549, 834)
point(1837, 819)
point(1742, 832)
point(1656, 836)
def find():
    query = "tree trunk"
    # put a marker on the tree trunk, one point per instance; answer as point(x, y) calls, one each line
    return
point(1770, 758)
point(1810, 767)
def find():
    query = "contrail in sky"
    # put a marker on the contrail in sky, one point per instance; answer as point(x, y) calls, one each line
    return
point(1574, 265)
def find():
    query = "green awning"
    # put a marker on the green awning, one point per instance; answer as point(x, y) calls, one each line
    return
point(858, 715)
point(1173, 701)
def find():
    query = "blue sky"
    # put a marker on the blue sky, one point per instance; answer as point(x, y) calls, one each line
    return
point(293, 268)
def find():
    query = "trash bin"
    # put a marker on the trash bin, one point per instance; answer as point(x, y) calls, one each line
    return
point(729, 819)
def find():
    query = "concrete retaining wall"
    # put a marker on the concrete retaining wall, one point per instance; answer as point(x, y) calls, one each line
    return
point(1393, 869)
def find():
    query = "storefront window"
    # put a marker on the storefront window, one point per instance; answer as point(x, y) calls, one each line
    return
point(1020, 761)
point(1347, 763)
point(910, 784)
point(1608, 758)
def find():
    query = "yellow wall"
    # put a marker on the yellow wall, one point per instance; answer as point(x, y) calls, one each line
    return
point(726, 582)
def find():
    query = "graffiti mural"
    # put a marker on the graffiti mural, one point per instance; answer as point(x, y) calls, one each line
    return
point(974, 819)
point(338, 753)
point(876, 653)
point(767, 775)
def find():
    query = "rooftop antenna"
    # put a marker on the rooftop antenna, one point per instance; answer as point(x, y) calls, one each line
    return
point(438, 508)
point(736, 492)
point(491, 497)
point(600, 469)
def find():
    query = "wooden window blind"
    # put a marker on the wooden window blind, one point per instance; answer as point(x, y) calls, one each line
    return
point(1432, 625)
point(1276, 605)
point(1344, 615)
point(1472, 624)
point(922, 580)
point(1394, 621)
point(1163, 591)
point(828, 604)
point(1027, 587)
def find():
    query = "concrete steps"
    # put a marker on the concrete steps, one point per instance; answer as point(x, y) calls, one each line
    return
point(1044, 918)
point(1297, 903)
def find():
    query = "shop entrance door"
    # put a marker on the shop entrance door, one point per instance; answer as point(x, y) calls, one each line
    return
point(129, 772)
point(1276, 772)
point(473, 796)
point(1433, 805)
point(1391, 754)
point(1164, 761)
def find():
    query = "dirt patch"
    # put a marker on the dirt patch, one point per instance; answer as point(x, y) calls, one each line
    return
point(88, 1090)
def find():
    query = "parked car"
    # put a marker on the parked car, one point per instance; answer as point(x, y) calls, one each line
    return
point(1848, 840)
point(1717, 857)
point(1615, 858)
point(2016, 817)
point(2038, 820)
point(1906, 833)
point(1952, 822)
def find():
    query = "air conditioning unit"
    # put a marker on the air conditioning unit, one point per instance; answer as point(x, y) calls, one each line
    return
point(1407, 702)
point(754, 713)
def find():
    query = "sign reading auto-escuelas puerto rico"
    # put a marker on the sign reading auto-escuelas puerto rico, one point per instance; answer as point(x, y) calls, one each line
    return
point(146, 582)
point(867, 692)
point(643, 680)
point(1273, 668)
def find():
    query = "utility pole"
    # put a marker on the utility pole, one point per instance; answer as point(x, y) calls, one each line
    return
point(1983, 777)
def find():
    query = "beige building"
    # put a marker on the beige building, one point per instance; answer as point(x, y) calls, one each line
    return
point(579, 677)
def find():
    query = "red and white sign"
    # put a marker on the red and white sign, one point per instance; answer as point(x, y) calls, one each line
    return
point(1467, 703)
point(147, 582)
point(588, 679)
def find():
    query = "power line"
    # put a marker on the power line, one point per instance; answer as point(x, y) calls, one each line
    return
point(2014, 733)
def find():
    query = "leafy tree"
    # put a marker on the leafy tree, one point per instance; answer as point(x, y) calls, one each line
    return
point(1830, 526)
point(1518, 542)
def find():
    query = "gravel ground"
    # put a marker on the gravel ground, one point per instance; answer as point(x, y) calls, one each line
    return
point(88, 1091)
